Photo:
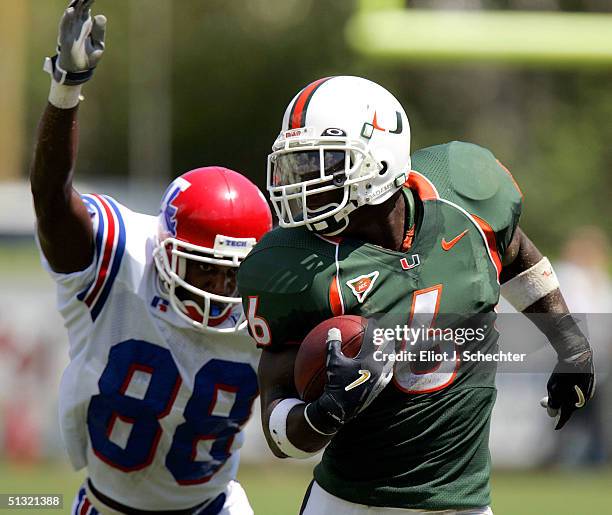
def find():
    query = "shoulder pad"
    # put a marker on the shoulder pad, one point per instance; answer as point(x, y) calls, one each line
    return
point(470, 177)
point(285, 261)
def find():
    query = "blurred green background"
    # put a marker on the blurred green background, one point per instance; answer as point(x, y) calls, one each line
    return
point(190, 83)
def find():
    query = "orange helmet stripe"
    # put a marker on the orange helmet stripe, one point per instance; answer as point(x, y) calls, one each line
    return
point(297, 118)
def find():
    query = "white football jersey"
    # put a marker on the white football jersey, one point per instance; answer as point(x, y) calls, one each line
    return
point(153, 408)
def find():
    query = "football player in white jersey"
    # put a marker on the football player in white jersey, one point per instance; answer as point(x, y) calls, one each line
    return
point(162, 374)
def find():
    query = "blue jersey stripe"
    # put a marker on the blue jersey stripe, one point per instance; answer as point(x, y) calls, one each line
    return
point(90, 202)
point(77, 505)
point(114, 270)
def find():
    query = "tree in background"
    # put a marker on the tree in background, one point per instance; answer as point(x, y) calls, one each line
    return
point(235, 64)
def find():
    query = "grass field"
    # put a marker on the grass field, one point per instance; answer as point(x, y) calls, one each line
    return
point(277, 490)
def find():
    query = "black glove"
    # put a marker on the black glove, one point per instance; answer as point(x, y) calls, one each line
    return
point(352, 383)
point(571, 385)
point(572, 381)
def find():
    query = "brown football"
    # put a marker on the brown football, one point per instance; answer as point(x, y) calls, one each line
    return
point(309, 370)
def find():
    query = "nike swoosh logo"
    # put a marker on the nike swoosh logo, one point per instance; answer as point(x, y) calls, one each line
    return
point(447, 245)
point(365, 375)
point(581, 400)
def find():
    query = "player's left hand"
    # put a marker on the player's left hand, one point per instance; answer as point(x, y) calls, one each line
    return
point(570, 387)
point(352, 383)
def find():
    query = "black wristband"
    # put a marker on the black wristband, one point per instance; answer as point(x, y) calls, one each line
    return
point(64, 77)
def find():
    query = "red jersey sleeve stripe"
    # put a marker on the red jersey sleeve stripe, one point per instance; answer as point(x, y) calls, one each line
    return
point(110, 247)
point(107, 251)
point(491, 243)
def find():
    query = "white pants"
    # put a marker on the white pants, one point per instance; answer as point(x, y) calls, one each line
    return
point(236, 503)
point(320, 502)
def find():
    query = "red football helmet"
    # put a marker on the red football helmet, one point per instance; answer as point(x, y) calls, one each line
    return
point(208, 215)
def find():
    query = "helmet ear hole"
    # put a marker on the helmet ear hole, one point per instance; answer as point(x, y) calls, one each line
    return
point(384, 168)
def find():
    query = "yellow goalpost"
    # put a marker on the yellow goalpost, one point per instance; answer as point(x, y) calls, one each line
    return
point(386, 30)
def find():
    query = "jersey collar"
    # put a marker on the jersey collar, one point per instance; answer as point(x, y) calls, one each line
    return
point(410, 221)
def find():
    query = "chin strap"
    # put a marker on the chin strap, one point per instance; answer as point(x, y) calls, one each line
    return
point(195, 312)
point(192, 310)
point(334, 225)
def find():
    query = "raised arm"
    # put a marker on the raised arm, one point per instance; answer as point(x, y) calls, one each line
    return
point(530, 285)
point(63, 224)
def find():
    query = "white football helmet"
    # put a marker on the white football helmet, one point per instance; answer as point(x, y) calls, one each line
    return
point(344, 143)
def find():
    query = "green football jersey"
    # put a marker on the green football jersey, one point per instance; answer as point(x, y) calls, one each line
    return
point(423, 442)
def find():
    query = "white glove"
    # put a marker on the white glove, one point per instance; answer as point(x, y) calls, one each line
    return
point(80, 48)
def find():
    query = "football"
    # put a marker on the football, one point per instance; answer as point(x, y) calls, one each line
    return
point(309, 370)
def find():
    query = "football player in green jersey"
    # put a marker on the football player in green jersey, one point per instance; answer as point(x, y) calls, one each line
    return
point(367, 230)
